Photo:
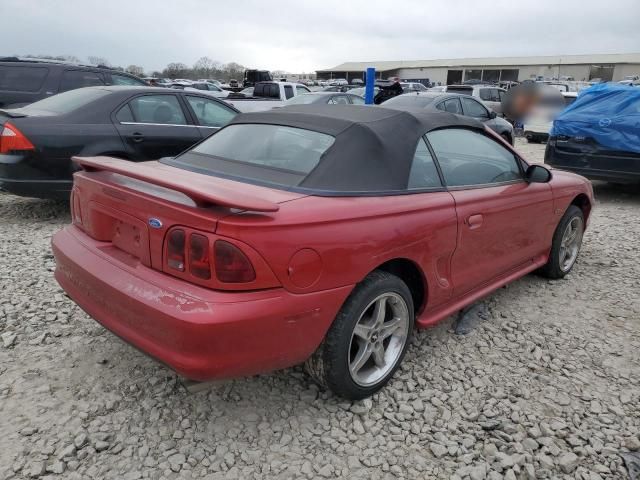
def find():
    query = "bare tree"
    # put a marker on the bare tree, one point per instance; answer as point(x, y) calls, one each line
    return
point(93, 60)
point(204, 68)
point(234, 70)
point(177, 70)
point(136, 70)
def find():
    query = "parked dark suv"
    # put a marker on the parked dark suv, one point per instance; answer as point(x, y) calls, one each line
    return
point(26, 81)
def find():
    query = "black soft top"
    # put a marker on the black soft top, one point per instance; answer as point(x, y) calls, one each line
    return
point(374, 146)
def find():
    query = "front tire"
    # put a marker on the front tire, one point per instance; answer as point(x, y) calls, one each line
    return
point(368, 339)
point(567, 240)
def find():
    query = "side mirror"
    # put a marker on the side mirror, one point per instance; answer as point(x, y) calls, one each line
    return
point(492, 114)
point(537, 174)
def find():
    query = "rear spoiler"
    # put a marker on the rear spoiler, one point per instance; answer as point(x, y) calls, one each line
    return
point(202, 189)
point(12, 114)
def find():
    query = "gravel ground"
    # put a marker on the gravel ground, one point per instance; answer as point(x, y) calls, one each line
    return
point(547, 387)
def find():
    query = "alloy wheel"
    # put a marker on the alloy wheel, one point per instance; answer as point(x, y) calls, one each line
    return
point(570, 244)
point(378, 339)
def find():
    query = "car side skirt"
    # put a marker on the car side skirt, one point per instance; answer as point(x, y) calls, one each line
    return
point(431, 317)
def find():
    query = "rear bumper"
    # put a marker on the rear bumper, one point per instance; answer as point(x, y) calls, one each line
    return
point(19, 175)
point(199, 333)
point(594, 163)
point(54, 189)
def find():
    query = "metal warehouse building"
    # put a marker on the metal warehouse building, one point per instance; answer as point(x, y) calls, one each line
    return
point(450, 71)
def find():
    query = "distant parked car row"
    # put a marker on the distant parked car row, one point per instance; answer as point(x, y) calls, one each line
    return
point(144, 123)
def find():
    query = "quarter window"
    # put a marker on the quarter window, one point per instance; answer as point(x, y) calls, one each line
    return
point(72, 79)
point(124, 115)
point(423, 170)
point(467, 157)
point(209, 112)
point(160, 109)
point(473, 108)
point(452, 105)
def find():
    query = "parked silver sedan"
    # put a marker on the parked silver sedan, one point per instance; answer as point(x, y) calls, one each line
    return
point(454, 103)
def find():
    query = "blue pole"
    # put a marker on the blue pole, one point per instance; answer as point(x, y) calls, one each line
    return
point(368, 89)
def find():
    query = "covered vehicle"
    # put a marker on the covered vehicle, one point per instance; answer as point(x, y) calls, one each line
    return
point(311, 233)
point(597, 136)
point(454, 103)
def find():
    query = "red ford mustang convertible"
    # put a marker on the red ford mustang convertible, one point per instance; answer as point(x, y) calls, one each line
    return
point(317, 234)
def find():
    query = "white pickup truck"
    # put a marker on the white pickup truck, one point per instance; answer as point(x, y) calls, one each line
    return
point(266, 95)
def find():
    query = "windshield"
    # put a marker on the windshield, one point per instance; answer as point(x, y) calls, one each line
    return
point(272, 154)
point(304, 99)
point(65, 102)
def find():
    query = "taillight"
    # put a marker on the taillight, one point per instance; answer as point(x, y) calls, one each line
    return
point(232, 266)
point(12, 139)
point(175, 250)
point(199, 265)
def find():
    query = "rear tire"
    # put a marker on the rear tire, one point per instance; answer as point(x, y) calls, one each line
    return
point(367, 340)
point(567, 240)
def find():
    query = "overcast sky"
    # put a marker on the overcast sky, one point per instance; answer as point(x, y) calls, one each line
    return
point(302, 36)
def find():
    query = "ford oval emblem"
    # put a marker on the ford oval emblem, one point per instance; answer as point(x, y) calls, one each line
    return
point(604, 122)
point(155, 223)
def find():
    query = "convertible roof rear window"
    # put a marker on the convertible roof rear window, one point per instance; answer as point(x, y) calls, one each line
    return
point(274, 154)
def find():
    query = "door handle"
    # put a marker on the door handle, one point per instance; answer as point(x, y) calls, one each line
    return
point(474, 221)
point(137, 137)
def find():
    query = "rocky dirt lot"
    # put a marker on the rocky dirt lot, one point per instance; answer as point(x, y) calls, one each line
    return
point(547, 387)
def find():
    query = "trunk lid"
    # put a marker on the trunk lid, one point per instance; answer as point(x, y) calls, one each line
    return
point(130, 206)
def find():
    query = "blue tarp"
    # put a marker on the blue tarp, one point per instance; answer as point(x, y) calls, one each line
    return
point(609, 113)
